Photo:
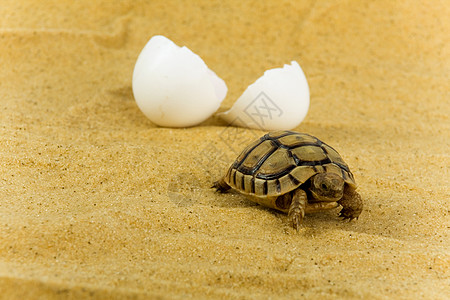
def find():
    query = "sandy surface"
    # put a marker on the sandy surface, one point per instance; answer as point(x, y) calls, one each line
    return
point(98, 202)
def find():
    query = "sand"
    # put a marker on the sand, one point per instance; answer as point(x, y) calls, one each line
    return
point(97, 202)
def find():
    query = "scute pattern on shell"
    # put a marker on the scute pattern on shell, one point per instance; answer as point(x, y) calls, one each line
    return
point(281, 161)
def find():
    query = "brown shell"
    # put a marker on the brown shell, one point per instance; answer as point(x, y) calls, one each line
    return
point(281, 161)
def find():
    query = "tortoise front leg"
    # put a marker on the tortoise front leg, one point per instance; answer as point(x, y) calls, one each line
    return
point(297, 208)
point(221, 186)
point(352, 204)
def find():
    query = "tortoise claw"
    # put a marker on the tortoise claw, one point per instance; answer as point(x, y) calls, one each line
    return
point(351, 205)
point(214, 186)
point(217, 188)
point(295, 221)
point(220, 186)
point(346, 214)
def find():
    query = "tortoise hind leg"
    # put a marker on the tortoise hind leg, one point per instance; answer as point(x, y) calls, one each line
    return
point(352, 204)
point(297, 208)
point(221, 186)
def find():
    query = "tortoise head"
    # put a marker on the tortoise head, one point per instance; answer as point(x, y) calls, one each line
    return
point(327, 187)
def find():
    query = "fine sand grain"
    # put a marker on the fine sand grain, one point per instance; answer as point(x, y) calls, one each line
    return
point(98, 202)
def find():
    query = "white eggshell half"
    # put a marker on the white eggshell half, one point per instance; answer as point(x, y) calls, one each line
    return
point(278, 100)
point(173, 86)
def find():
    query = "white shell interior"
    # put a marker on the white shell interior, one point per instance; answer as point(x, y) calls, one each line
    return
point(278, 100)
point(173, 86)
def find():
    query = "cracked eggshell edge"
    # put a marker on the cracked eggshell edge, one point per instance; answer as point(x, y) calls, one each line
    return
point(278, 100)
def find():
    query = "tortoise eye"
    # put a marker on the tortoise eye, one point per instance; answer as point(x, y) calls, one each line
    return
point(324, 186)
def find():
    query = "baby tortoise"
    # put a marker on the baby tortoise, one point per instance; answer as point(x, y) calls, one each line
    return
point(295, 173)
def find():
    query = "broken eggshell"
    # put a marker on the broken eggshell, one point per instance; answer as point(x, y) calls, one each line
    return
point(278, 100)
point(173, 86)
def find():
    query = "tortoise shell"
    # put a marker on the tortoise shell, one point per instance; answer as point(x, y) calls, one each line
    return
point(281, 161)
